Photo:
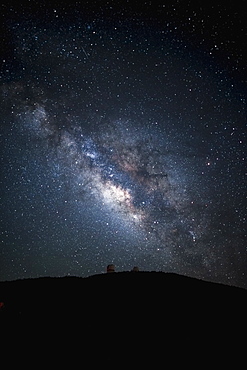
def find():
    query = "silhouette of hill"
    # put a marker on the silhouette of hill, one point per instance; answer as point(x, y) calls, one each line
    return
point(133, 303)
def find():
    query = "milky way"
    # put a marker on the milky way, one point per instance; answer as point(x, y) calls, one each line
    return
point(122, 141)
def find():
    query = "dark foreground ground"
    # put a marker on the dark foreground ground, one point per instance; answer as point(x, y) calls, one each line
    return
point(145, 307)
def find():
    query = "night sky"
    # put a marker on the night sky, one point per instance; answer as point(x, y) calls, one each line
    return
point(123, 138)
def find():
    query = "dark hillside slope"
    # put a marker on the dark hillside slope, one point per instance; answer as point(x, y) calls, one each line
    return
point(127, 302)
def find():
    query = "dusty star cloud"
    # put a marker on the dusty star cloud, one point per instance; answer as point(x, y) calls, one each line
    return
point(123, 140)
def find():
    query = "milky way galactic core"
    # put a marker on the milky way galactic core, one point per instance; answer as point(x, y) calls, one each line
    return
point(123, 140)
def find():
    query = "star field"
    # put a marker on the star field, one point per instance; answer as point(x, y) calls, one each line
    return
point(123, 139)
